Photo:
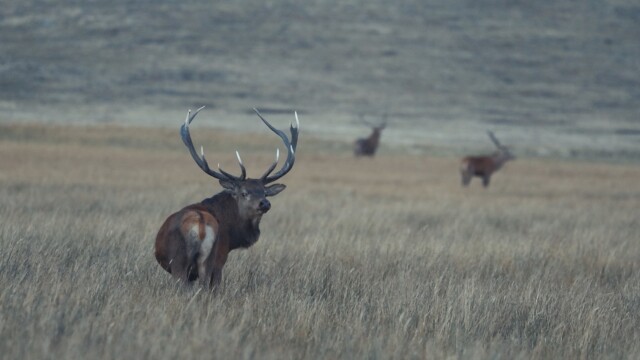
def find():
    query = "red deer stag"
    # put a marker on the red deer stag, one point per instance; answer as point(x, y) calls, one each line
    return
point(195, 241)
point(485, 166)
point(368, 146)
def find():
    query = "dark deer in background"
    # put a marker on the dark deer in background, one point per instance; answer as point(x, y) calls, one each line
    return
point(485, 166)
point(195, 241)
point(368, 146)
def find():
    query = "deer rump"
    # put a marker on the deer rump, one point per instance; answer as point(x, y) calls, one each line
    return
point(197, 235)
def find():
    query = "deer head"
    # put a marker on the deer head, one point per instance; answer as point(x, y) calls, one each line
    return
point(369, 145)
point(250, 194)
point(504, 154)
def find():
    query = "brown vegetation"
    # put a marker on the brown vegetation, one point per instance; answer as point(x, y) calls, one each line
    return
point(379, 259)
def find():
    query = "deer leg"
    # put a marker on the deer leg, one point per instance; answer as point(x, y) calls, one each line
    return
point(181, 263)
point(485, 180)
point(180, 267)
point(215, 279)
point(206, 245)
point(218, 259)
point(204, 271)
point(189, 262)
point(466, 173)
point(466, 178)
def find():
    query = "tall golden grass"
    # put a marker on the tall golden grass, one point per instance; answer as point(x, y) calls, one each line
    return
point(359, 258)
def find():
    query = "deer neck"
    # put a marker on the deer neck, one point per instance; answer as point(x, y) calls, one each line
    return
point(249, 223)
point(246, 234)
point(242, 231)
point(375, 136)
point(499, 159)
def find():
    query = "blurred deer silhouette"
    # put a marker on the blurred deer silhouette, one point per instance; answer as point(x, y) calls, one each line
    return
point(484, 166)
point(369, 145)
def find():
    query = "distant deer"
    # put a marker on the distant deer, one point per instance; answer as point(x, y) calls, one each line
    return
point(368, 146)
point(485, 166)
point(195, 241)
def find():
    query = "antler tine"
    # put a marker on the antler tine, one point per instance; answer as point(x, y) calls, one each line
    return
point(200, 160)
point(295, 131)
point(385, 117)
point(494, 139)
point(190, 117)
point(364, 121)
point(273, 165)
point(289, 144)
point(242, 168)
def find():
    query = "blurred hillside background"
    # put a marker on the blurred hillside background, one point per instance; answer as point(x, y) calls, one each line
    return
point(552, 78)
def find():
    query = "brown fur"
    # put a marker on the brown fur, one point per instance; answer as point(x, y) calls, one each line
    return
point(369, 145)
point(482, 167)
point(234, 217)
point(485, 166)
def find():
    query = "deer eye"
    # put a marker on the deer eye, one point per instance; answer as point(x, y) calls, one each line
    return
point(244, 194)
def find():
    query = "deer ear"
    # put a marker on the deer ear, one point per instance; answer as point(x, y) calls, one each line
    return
point(228, 185)
point(274, 189)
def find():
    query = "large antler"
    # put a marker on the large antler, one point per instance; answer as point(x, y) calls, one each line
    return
point(290, 145)
point(494, 139)
point(383, 124)
point(372, 125)
point(200, 159)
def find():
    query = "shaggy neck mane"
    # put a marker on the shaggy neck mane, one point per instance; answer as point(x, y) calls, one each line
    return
point(242, 232)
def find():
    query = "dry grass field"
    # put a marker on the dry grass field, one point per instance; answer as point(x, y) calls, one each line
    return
point(372, 258)
point(359, 258)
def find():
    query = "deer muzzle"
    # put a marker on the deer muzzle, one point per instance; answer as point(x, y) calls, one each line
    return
point(264, 206)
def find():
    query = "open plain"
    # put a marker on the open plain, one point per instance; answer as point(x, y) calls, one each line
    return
point(359, 258)
point(366, 258)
